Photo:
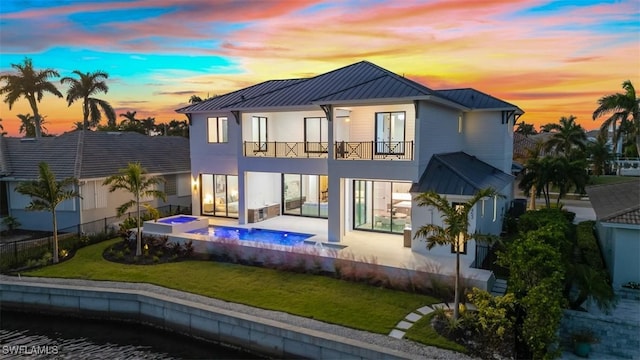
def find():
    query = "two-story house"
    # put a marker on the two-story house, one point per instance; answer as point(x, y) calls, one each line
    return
point(350, 146)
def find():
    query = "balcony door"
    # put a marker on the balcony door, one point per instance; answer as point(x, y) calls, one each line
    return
point(390, 132)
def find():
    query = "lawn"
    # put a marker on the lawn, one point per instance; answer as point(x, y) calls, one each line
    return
point(323, 298)
point(423, 332)
point(609, 179)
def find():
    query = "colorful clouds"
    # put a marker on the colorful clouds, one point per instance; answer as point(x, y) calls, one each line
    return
point(550, 58)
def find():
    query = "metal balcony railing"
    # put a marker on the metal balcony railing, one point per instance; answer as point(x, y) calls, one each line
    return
point(277, 149)
point(374, 150)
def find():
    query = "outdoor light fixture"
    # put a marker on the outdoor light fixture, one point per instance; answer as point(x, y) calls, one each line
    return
point(195, 185)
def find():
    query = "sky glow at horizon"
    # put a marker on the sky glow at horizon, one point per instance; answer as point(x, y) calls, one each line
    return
point(550, 58)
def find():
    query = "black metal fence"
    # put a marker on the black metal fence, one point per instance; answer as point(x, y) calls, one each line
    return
point(17, 253)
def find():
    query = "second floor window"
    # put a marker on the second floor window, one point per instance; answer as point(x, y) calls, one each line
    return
point(390, 132)
point(259, 132)
point(217, 130)
point(315, 134)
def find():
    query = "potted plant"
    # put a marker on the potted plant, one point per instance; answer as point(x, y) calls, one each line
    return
point(582, 341)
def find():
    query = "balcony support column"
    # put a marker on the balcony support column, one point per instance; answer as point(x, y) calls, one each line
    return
point(328, 111)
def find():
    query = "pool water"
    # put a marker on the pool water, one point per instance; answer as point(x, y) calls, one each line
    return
point(178, 220)
point(257, 235)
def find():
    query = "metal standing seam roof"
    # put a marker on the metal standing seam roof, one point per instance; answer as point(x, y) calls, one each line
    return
point(359, 81)
point(459, 173)
point(89, 154)
point(475, 99)
point(616, 203)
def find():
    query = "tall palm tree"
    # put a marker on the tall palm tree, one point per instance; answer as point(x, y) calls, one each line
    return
point(148, 124)
point(28, 125)
point(195, 99)
point(526, 129)
point(566, 136)
point(455, 229)
point(30, 83)
point(83, 89)
point(624, 115)
point(46, 194)
point(133, 179)
point(599, 154)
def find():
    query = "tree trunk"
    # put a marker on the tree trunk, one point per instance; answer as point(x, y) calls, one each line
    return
point(139, 237)
point(456, 301)
point(532, 201)
point(36, 116)
point(85, 115)
point(638, 143)
point(55, 237)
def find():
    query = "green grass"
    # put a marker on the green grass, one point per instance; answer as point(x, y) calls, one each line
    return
point(323, 298)
point(609, 179)
point(422, 332)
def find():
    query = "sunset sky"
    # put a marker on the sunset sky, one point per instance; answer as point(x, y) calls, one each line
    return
point(552, 59)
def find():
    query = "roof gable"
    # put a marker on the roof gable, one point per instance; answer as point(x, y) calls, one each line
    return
point(460, 174)
point(618, 203)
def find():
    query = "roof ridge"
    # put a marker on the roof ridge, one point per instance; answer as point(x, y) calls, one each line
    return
point(416, 85)
point(621, 212)
point(481, 92)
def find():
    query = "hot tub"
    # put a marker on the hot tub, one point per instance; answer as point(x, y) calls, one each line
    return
point(176, 224)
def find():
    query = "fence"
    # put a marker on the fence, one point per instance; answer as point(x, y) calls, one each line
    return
point(17, 253)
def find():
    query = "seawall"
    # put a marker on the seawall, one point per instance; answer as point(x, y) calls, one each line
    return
point(154, 305)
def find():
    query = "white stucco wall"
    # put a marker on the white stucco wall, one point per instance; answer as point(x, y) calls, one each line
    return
point(620, 245)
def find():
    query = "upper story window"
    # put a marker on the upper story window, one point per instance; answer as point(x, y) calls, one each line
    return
point(217, 130)
point(315, 133)
point(390, 132)
point(259, 132)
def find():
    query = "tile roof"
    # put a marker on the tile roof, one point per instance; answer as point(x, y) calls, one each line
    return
point(96, 154)
point(459, 173)
point(616, 203)
point(361, 81)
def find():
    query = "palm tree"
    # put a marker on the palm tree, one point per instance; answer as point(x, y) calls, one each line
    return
point(599, 153)
point(28, 125)
point(133, 179)
point(566, 136)
point(31, 84)
point(526, 129)
point(83, 89)
point(2, 132)
point(624, 115)
point(195, 99)
point(46, 194)
point(455, 218)
point(148, 124)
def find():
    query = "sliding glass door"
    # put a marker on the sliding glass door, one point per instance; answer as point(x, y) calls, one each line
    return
point(305, 195)
point(383, 206)
point(219, 195)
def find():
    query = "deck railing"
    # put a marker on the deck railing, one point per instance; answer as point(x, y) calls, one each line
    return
point(374, 150)
point(277, 149)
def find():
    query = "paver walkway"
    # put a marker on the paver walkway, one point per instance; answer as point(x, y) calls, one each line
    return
point(413, 317)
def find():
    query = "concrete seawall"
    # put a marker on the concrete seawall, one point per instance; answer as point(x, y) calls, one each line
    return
point(151, 305)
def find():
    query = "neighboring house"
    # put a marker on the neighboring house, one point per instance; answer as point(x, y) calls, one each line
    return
point(90, 157)
point(617, 208)
point(350, 146)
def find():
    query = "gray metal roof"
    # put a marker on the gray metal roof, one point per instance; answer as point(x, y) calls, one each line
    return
point(616, 203)
point(475, 99)
point(359, 81)
point(460, 174)
point(98, 154)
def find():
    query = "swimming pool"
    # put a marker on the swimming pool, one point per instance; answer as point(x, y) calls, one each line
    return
point(180, 219)
point(287, 238)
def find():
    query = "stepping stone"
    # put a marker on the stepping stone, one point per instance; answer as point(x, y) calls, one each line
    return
point(404, 325)
point(425, 310)
point(471, 307)
point(450, 305)
point(413, 317)
point(438, 306)
point(397, 334)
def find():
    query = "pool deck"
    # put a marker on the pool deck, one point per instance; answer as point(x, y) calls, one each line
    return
point(384, 249)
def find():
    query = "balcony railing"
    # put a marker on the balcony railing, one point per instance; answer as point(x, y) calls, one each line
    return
point(374, 150)
point(311, 150)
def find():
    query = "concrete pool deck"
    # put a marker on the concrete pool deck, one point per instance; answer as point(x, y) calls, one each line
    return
point(261, 330)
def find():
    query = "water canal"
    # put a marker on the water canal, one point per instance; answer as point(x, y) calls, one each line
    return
point(36, 336)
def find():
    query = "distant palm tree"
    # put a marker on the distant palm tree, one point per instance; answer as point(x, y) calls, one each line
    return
point(28, 125)
point(32, 85)
point(177, 128)
point(78, 125)
point(526, 129)
point(566, 136)
point(195, 99)
point(148, 124)
point(455, 229)
point(624, 115)
point(46, 194)
point(599, 152)
point(133, 179)
point(83, 89)
point(2, 133)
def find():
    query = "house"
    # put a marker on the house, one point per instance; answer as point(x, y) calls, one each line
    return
point(349, 146)
point(617, 208)
point(90, 157)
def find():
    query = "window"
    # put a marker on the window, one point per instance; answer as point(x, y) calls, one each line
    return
point(315, 133)
point(382, 206)
point(219, 195)
point(461, 245)
point(259, 133)
point(217, 130)
point(170, 185)
point(390, 132)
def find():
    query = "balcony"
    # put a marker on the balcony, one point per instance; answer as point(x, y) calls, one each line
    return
point(374, 150)
point(276, 149)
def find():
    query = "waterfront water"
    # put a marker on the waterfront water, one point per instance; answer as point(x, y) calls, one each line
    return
point(35, 336)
